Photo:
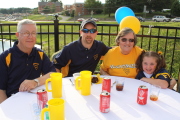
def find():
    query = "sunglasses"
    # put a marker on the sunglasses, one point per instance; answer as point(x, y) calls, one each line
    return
point(89, 30)
point(125, 40)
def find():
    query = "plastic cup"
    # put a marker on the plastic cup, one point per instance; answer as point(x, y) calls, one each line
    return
point(155, 89)
point(55, 109)
point(85, 82)
point(75, 75)
point(56, 85)
point(119, 85)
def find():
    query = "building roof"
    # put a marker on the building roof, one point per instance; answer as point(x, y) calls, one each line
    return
point(45, 3)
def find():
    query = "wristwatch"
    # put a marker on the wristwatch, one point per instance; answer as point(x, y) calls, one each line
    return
point(36, 80)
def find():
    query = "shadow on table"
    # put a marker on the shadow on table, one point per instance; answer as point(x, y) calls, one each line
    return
point(168, 112)
point(93, 104)
point(120, 104)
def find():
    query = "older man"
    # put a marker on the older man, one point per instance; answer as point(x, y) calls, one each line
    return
point(23, 64)
point(83, 54)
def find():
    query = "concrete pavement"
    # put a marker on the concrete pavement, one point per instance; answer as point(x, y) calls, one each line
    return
point(64, 18)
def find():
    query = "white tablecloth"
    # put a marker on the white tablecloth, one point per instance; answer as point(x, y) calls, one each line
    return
point(123, 104)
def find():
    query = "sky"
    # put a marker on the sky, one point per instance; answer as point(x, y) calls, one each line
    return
point(32, 3)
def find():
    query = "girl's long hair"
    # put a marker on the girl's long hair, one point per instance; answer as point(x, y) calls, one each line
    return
point(159, 60)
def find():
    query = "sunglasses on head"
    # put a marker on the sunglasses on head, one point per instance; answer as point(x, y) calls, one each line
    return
point(89, 30)
point(125, 39)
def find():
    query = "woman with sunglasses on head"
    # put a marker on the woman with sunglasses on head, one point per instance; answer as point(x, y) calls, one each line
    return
point(120, 60)
point(82, 54)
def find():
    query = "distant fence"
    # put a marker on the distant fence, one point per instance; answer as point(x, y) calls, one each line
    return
point(53, 36)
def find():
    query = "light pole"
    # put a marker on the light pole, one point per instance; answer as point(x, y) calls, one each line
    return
point(92, 13)
point(144, 11)
point(74, 9)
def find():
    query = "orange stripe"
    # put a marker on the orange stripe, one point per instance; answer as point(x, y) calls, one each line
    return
point(8, 59)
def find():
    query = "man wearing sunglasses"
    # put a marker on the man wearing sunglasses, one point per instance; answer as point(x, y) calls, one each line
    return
point(83, 54)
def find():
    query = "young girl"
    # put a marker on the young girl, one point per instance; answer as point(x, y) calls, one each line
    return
point(151, 69)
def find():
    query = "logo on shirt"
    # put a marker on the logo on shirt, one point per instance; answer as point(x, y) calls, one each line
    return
point(126, 68)
point(95, 57)
point(36, 65)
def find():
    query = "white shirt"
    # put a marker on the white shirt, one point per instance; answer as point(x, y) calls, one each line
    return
point(147, 75)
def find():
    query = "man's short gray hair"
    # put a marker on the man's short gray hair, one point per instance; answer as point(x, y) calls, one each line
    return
point(24, 22)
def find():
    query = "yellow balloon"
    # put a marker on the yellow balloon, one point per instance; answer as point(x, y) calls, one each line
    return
point(130, 22)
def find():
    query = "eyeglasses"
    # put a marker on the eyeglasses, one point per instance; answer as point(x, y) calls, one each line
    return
point(27, 34)
point(125, 40)
point(87, 30)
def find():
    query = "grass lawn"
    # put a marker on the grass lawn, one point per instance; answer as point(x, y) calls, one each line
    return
point(41, 17)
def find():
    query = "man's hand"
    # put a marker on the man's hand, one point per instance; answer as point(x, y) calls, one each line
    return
point(3, 95)
point(27, 85)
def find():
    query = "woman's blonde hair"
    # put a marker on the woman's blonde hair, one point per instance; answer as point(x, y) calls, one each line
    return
point(124, 32)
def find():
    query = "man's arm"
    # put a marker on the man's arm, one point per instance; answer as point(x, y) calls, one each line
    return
point(27, 85)
point(3, 96)
point(61, 59)
point(3, 76)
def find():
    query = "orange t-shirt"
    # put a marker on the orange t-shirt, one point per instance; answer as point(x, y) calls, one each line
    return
point(117, 64)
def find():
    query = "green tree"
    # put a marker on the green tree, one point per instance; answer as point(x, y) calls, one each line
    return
point(35, 11)
point(53, 8)
point(61, 3)
point(138, 5)
point(171, 3)
point(4, 11)
point(135, 5)
point(175, 8)
point(72, 13)
point(43, 0)
point(53, 1)
point(112, 5)
point(67, 13)
point(93, 5)
point(46, 9)
point(157, 5)
point(109, 7)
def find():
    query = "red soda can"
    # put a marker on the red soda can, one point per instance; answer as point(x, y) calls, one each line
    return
point(42, 98)
point(142, 95)
point(104, 102)
point(106, 85)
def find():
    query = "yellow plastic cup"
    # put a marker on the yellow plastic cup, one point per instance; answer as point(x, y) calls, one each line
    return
point(75, 75)
point(56, 85)
point(55, 109)
point(85, 82)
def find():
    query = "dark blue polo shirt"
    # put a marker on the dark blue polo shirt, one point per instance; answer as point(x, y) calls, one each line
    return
point(79, 57)
point(22, 67)
point(161, 74)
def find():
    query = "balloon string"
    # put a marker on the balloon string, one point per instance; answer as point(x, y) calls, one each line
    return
point(150, 28)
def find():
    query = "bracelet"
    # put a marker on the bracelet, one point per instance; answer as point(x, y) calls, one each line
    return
point(36, 80)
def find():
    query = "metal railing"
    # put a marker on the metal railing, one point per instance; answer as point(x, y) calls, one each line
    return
point(53, 36)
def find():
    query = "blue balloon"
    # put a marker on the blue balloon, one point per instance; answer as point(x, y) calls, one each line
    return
point(123, 12)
